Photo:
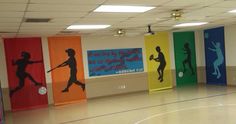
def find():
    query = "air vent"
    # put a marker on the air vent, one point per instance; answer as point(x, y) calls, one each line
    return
point(67, 32)
point(37, 20)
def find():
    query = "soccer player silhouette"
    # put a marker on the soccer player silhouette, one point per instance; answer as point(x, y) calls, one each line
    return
point(188, 59)
point(219, 60)
point(161, 59)
point(21, 71)
point(71, 62)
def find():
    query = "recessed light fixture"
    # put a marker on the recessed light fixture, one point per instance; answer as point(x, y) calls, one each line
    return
point(191, 24)
point(232, 11)
point(75, 27)
point(118, 8)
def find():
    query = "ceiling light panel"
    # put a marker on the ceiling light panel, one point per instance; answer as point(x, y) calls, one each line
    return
point(118, 8)
point(190, 24)
point(232, 11)
point(84, 27)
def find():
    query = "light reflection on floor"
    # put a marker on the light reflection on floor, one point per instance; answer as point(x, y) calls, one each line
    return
point(189, 105)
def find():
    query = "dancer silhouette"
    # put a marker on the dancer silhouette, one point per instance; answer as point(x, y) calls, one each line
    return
point(21, 71)
point(219, 60)
point(71, 62)
point(161, 59)
point(188, 59)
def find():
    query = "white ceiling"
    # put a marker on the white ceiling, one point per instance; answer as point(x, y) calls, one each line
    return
point(66, 12)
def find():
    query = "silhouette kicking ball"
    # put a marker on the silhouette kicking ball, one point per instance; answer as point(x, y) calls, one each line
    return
point(42, 90)
point(181, 74)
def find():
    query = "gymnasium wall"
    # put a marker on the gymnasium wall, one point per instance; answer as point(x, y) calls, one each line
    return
point(125, 83)
point(230, 51)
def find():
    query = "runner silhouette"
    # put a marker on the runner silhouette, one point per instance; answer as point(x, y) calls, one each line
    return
point(71, 62)
point(219, 60)
point(21, 71)
point(188, 59)
point(161, 59)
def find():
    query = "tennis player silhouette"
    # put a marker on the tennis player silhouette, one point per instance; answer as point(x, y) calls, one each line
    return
point(219, 60)
point(71, 62)
point(21, 71)
point(188, 59)
point(161, 59)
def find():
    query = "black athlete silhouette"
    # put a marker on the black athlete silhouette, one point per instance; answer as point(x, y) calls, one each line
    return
point(71, 62)
point(160, 58)
point(21, 71)
point(188, 59)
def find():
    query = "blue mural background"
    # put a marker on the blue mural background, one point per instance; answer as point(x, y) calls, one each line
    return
point(215, 56)
point(115, 61)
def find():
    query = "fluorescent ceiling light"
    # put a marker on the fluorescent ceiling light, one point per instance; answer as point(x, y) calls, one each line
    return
point(74, 27)
point(232, 11)
point(191, 24)
point(118, 8)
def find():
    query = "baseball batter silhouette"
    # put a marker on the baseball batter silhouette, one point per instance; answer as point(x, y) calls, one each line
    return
point(71, 62)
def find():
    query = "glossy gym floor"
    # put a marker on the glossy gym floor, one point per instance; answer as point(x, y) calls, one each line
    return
point(204, 104)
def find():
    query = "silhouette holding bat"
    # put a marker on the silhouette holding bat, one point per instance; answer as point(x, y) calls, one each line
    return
point(54, 68)
point(71, 62)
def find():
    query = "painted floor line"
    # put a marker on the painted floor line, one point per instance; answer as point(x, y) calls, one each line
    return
point(147, 107)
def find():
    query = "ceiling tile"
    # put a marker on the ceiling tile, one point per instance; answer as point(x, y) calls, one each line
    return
point(110, 15)
point(7, 35)
point(187, 3)
point(226, 4)
point(64, 13)
point(43, 25)
point(64, 20)
point(11, 14)
point(140, 19)
point(7, 7)
point(42, 29)
point(9, 24)
point(207, 12)
point(99, 21)
point(126, 25)
point(54, 14)
point(10, 20)
point(29, 34)
point(8, 29)
point(81, 2)
point(60, 8)
point(13, 1)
